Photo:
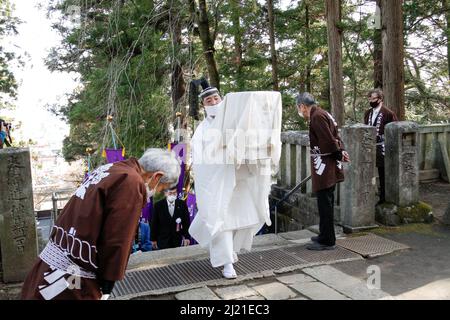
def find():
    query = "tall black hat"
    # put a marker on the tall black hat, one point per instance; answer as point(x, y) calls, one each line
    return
point(207, 91)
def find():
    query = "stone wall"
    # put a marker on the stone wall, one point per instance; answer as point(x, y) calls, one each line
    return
point(432, 139)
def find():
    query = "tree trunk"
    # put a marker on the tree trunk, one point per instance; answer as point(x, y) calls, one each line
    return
point(178, 85)
point(177, 81)
point(207, 43)
point(273, 52)
point(377, 55)
point(307, 40)
point(393, 56)
point(235, 15)
point(446, 8)
point(333, 9)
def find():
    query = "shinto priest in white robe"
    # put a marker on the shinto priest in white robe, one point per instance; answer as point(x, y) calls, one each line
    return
point(235, 155)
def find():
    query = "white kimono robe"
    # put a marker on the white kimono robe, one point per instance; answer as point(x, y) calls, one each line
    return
point(233, 178)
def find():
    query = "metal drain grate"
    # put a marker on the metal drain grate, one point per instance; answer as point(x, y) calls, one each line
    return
point(370, 245)
point(166, 277)
point(339, 254)
point(266, 260)
point(186, 273)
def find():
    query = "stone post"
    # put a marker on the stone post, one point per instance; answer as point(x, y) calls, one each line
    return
point(447, 215)
point(18, 241)
point(282, 171)
point(357, 192)
point(402, 163)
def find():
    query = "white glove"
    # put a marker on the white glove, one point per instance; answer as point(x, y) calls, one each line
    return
point(105, 297)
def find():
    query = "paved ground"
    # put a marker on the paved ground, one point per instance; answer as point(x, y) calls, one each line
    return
point(426, 262)
point(422, 272)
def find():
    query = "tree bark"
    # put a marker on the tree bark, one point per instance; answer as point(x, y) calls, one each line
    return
point(177, 81)
point(446, 8)
point(307, 40)
point(273, 52)
point(377, 55)
point(178, 85)
point(207, 43)
point(235, 15)
point(393, 56)
point(333, 9)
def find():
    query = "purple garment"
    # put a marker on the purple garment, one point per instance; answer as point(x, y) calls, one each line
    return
point(114, 155)
point(147, 212)
point(180, 152)
point(192, 207)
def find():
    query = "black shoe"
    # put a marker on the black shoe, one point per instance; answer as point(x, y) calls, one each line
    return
point(319, 247)
point(315, 239)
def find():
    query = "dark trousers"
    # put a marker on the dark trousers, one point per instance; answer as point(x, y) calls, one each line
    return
point(382, 182)
point(325, 202)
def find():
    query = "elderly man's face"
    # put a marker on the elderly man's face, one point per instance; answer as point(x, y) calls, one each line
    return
point(212, 100)
point(153, 181)
point(303, 111)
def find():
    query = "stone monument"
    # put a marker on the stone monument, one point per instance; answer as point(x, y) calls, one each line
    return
point(18, 241)
point(357, 193)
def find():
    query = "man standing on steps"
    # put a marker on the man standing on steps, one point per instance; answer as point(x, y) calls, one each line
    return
point(379, 116)
point(232, 193)
point(327, 155)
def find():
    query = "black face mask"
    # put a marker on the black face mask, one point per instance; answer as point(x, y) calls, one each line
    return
point(374, 104)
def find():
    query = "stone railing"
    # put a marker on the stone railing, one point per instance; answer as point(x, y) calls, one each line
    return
point(354, 199)
point(412, 150)
point(434, 143)
point(295, 160)
point(300, 210)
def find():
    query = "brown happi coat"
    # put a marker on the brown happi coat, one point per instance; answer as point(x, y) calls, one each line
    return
point(384, 117)
point(326, 171)
point(94, 231)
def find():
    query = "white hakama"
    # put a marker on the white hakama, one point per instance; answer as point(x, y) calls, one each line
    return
point(233, 179)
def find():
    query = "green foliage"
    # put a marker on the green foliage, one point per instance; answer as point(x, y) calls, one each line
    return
point(125, 53)
point(8, 25)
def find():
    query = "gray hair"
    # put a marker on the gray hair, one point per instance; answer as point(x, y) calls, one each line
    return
point(306, 98)
point(378, 92)
point(155, 159)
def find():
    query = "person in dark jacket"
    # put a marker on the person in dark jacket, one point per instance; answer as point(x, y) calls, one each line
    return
point(170, 222)
point(327, 156)
point(379, 116)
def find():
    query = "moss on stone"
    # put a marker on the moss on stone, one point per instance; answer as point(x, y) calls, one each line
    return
point(420, 212)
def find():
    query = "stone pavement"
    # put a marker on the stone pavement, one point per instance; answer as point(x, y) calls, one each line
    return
point(421, 272)
point(316, 281)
